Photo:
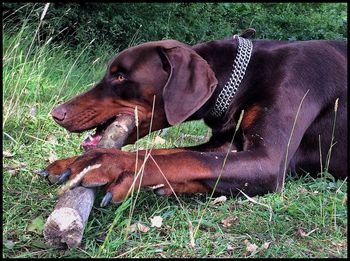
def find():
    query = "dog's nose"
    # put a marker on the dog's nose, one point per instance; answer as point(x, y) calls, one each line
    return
point(59, 113)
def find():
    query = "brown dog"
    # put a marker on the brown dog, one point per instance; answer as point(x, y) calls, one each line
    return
point(287, 90)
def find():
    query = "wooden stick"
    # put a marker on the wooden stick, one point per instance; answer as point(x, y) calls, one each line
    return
point(117, 132)
point(65, 225)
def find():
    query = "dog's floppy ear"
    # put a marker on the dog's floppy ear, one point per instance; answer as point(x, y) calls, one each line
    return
point(190, 84)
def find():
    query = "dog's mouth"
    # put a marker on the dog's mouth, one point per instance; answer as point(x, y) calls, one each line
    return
point(112, 133)
point(96, 134)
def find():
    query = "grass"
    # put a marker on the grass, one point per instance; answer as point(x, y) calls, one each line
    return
point(308, 220)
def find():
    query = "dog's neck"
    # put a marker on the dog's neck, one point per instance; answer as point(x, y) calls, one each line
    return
point(223, 100)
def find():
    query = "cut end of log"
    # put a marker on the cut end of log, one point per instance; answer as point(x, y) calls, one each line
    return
point(64, 228)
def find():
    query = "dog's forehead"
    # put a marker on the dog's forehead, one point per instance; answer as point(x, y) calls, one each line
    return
point(128, 57)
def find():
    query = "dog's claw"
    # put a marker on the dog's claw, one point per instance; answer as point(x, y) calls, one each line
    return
point(106, 199)
point(64, 176)
point(43, 173)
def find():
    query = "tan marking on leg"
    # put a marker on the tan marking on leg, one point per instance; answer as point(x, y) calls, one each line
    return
point(250, 116)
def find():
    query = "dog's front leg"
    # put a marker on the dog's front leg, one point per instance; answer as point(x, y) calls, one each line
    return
point(189, 171)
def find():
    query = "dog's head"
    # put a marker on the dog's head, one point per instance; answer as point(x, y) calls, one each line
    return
point(165, 80)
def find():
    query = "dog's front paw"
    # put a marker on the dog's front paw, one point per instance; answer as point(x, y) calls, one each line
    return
point(95, 168)
point(55, 171)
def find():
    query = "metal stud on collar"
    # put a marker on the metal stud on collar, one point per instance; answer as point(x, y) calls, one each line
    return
point(240, 64)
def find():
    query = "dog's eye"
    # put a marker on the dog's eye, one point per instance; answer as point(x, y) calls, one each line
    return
point(120, 77)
